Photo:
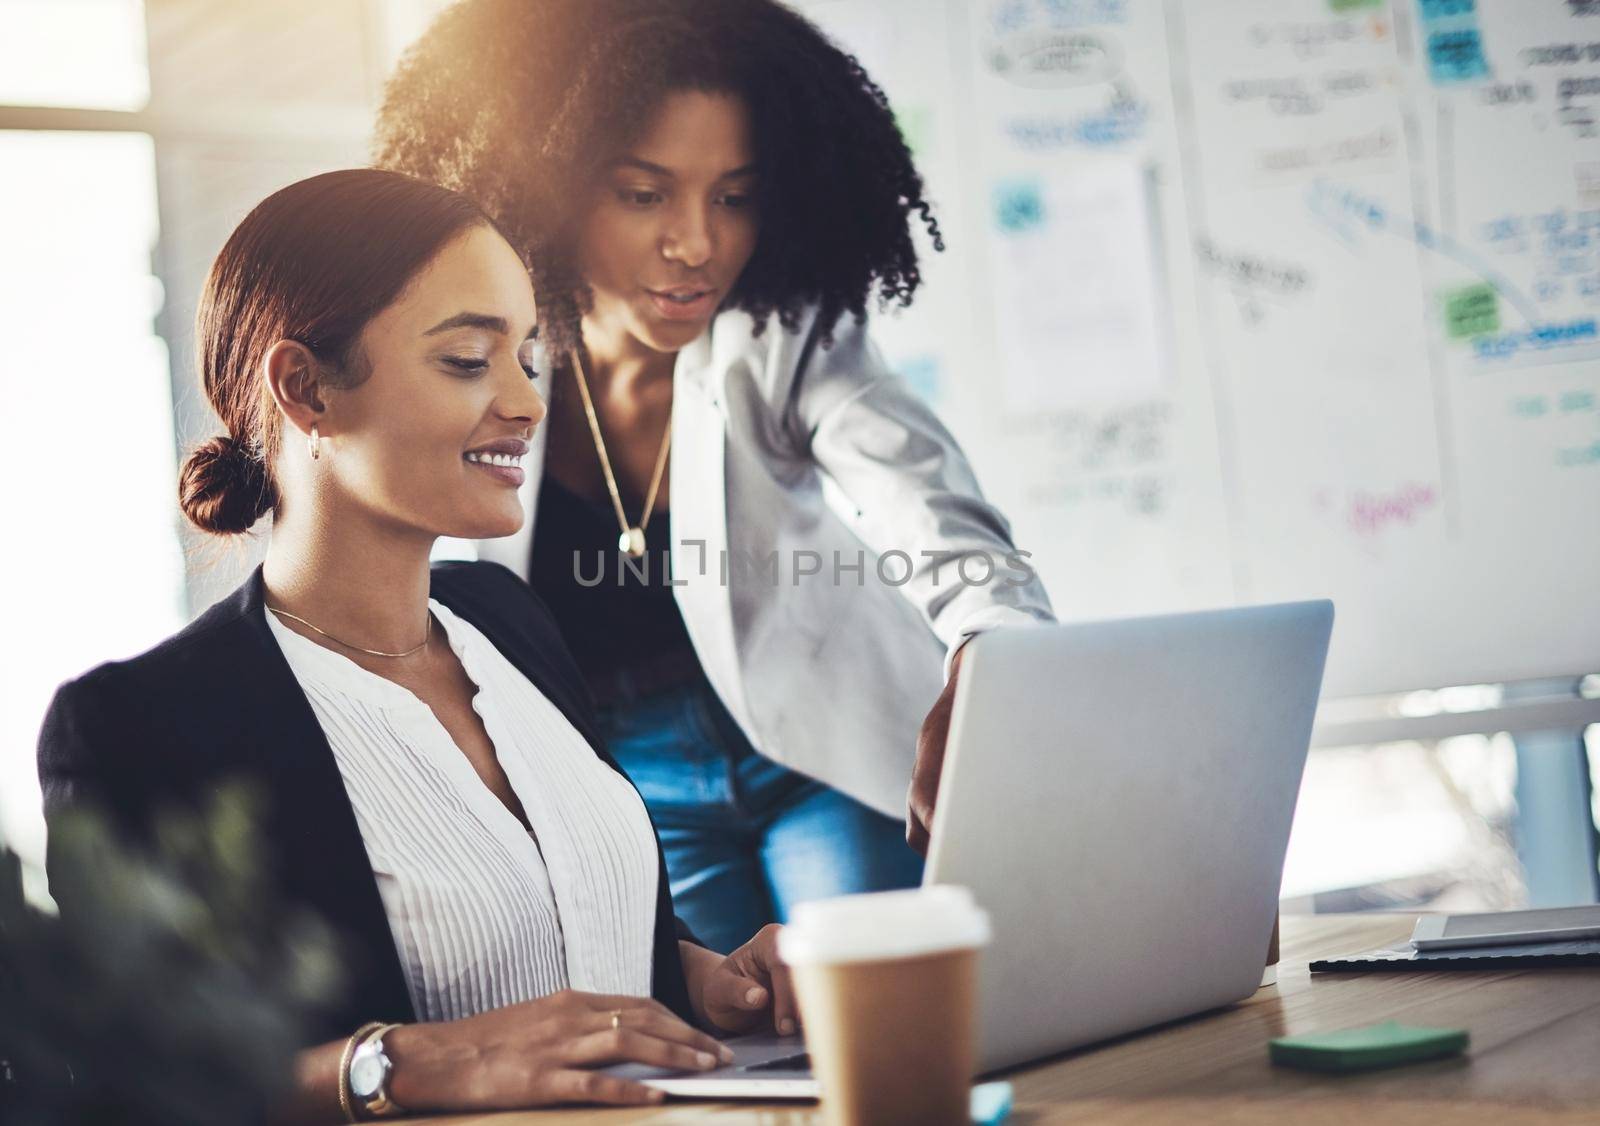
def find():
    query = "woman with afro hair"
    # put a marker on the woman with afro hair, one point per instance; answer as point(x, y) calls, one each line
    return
point(763, 549)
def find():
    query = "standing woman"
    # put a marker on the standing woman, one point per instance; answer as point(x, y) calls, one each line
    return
point(709, 192)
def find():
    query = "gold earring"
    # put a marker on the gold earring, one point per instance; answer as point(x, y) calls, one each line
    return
point(315, 443)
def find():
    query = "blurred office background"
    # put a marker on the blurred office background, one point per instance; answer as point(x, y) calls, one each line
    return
point(134, 135)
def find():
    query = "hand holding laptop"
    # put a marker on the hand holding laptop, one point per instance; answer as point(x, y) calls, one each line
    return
point(929, 764)
point(746, 991)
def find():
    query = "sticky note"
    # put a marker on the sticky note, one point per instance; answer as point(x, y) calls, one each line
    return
point(1431, 10)
point(1434, 10)
point(1471, 311)
point(1359, 1049)
point(1018, 206)
point(1456, 55)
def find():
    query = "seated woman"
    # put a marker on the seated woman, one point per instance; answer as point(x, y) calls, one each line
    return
point(424, 745)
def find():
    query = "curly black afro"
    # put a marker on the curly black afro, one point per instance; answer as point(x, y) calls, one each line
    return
point(519, 104)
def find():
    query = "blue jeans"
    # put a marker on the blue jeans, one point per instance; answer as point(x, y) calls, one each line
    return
point(745, 838)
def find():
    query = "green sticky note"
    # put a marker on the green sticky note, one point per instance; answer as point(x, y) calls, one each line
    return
point(916, 126)
point(1471, 311)
point(1358, 1049)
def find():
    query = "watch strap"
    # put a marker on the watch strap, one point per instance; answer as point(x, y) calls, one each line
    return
point(350, 1046)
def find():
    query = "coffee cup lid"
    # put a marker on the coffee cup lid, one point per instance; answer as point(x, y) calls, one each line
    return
point(885, 924)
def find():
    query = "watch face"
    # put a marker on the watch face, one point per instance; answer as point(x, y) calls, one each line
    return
point(366, 1075)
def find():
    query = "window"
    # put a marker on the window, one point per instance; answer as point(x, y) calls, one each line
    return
point(91, 558)
point(82, 54)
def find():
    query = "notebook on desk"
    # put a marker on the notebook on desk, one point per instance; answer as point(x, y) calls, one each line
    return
point(1401, 958)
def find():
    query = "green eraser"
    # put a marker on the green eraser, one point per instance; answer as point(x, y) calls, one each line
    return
point(1357, 1049)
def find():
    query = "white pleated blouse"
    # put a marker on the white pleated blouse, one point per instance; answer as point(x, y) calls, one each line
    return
point(485, 914)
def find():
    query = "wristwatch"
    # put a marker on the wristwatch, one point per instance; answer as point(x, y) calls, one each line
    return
point(371, 1070)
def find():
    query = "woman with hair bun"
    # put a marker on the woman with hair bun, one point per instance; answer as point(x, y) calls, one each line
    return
point(433, 783)
point(709, 193)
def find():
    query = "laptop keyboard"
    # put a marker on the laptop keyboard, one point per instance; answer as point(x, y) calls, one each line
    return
point(798, 1062)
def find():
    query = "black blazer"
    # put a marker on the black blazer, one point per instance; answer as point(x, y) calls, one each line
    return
point(218, 702)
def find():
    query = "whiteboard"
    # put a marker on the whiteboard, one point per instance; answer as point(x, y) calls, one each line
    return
point(1254, 300)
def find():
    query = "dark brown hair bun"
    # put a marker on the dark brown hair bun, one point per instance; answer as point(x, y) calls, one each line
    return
point(224, 488)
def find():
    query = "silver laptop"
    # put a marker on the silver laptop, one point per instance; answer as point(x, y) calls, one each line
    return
point(1118, 796)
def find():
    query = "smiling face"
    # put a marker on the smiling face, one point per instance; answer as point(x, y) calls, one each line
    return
point(671, 226)
point(433, 438)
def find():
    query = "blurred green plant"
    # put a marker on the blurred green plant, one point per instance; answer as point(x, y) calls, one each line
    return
point(173, 987)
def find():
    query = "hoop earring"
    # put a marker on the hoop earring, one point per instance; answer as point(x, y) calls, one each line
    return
point(315, 443)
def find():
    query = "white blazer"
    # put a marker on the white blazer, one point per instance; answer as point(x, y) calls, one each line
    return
point(797, 473)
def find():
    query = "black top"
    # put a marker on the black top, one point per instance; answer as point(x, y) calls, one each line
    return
point(218, 702)
point(619, 615)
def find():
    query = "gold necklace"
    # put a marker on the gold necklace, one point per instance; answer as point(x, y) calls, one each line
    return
point(632, 538)
point(427, 631)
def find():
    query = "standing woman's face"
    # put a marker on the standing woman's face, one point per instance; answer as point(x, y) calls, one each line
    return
point(671, 225)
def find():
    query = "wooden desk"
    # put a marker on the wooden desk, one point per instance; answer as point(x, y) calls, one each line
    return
point(1534, 1057)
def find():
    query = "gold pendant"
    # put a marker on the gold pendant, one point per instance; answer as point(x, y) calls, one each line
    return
point(632, 542)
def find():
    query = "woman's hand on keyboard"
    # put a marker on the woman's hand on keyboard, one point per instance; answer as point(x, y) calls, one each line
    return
point(542, 1052)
